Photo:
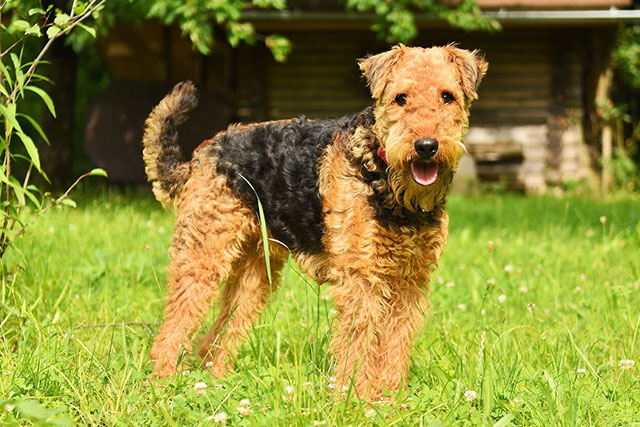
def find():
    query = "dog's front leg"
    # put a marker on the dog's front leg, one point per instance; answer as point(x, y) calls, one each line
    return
point(355, 343)
point(404, 317)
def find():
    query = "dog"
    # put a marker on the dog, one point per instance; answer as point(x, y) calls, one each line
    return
point(357, 201)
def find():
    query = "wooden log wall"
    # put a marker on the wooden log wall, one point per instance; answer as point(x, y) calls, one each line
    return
point(525, 129)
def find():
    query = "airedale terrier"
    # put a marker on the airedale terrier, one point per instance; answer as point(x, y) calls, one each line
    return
point(358, 201)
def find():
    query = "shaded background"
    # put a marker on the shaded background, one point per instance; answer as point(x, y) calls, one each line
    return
point(535, 125)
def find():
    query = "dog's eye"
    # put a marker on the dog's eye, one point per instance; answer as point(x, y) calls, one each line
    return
point(447, 98)
point(401, 99)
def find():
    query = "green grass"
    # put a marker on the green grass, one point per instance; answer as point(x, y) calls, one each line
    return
point(547, 353)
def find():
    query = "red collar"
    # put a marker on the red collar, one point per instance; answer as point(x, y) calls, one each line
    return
point(383, 156)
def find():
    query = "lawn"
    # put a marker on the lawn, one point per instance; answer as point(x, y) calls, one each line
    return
point(534, 320)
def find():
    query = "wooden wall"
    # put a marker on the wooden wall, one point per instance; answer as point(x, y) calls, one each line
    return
point(526, 128)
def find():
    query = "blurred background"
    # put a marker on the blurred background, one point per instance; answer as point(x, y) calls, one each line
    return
point(559, 107)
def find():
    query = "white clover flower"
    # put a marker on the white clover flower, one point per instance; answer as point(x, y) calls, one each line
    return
point(523, 289)
point(517, 400)
point(245, 407)
point(531, 306)
point(581, 370)
point(470, 395)
point(370, 413)
point(462, 307)
point(185, 373)
point(491, 282)
point(220, 418)
point(289, 390)
point(200, 387)
point(627, 364)
point(508, 268)
point(307, 384)
point(450, 284)
point(209, 364)
point(578, 289)
point(502, 298)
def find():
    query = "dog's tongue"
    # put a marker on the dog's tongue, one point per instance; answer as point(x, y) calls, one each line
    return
point(424, 173)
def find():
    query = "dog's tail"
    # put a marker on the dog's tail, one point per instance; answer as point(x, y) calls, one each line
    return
point(162, 157)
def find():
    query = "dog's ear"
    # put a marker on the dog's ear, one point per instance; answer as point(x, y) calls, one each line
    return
point(472, 68)
point(376, 68)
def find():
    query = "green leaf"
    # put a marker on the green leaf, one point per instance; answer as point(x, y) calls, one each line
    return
point(31, 149)
point(33, 410)
point(69, 202)
point(98, 172)
point(88, 29)
point(17, 190)
point(19, 25)
point(33, 30)
point(45, 97)
point(53, 31)
point(29, 192)
point(40, 76)
point(35, 11)
point(35, 125)
point(80, 8)
point(6, 74)
point(4, 92)
point(18, 71)
point(9, 114)
point(60, 422)
point(279, 46)
point(504, 420)
point(61, 19)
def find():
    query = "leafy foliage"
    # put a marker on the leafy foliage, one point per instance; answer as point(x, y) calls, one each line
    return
point(204, 20)
point(618, 111)
point(21, 201)
point(395, 21)
point(626, 55)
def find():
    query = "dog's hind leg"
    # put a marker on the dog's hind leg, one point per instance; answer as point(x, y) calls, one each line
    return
point(244, 298)
point(212, 229)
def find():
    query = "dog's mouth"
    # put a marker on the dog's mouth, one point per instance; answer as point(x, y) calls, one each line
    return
point(424, 173)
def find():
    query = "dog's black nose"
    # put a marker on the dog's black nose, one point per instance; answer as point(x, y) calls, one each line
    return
point(426, 148)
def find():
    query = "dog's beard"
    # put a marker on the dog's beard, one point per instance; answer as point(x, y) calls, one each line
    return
point(413, 196)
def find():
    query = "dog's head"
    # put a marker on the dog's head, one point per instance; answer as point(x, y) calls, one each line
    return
point(422, 99)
